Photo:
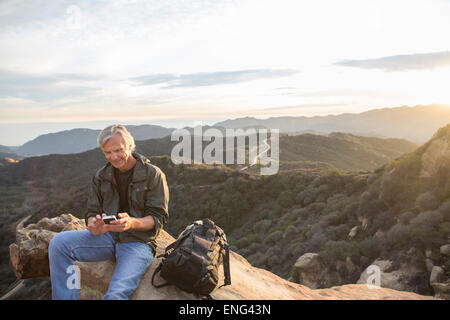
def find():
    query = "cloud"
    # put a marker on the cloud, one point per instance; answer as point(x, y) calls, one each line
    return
point(212, 78)
point(419, 61)
point(44, 88)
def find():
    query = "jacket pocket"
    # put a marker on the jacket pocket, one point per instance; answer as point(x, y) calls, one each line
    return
point(138, 196)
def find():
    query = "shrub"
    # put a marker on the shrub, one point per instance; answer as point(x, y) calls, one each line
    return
point(290, 232)
point(370, 247)
point(316, 207)
point(297, 249)
point(371, 208)
point(286, 199)
point(262, 226)
point(275, 236)
point(382, 221)
point(398, 236)
point(273, 261)
point(337, 232)
point(258, 259)
point(269, 214)
point(317, 241)
point(305, 197)
point(365, 196)
point(242, 242)
point(444, 228)
point(427, 201)
point(333, 251)
point(254, 238)
point(332, 219)
point(406, 217)
point(337, 202)
point(232, 242)
point(350, 210)
point(372, 178)
point(273, 251)
point(427, 218)
point(444, 209)
point(444, 188)
point(424, 229)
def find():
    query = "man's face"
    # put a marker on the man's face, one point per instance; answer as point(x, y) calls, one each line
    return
point(116, 151)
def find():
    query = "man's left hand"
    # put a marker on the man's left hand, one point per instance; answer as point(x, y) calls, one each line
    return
point(124, 223)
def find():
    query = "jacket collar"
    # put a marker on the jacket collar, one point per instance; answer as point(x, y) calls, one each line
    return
point(139, 173)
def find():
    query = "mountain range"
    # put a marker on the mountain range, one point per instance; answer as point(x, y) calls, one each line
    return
point(416, 124)
point(79, 140)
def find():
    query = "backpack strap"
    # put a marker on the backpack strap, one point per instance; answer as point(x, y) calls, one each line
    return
point(177, 242)
point(173, 245)
point(153, 278)
point(226, 266)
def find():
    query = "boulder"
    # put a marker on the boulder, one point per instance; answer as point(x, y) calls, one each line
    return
point(429, 264)
point(445, 250)
point(442, 290)
point(437, 275)
point(29, 255)
point(353, 232)
point(390, 276)
point(311, 271)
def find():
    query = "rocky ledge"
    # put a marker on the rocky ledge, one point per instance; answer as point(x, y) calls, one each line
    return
point(29, 258)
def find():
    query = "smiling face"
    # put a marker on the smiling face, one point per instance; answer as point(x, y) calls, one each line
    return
point(118, 153)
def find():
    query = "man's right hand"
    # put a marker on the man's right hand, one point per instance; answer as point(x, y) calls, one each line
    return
point(96, 225)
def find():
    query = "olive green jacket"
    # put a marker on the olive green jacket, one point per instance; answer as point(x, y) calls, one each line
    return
point(148, 194)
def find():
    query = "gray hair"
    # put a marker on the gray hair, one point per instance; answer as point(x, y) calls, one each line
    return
point(111, 130)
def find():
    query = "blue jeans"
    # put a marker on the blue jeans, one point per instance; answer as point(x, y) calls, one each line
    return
point(132, 260)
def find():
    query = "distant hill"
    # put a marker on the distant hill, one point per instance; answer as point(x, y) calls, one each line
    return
point(8, 155)
point(415, 124)
point(343, 151)
point(80, 140)
point(339, 150)
point(6, 149)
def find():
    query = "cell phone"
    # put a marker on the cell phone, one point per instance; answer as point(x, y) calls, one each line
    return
point(108, 219)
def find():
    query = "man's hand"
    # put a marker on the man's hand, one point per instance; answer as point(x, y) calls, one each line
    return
point(124, 223)
point(96, 225)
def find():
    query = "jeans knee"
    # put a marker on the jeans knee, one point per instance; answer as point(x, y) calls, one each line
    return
point(57, 244)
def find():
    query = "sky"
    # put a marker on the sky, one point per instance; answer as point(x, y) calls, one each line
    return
point(67, 64)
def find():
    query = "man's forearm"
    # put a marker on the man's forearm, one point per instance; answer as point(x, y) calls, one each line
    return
point(143, 224)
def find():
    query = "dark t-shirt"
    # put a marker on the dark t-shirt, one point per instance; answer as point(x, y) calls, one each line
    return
point(123, 180)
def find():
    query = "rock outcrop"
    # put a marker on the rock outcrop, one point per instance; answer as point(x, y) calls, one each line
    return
point(312, 272)
point(29, 257)
point(439, 277)
point(397, 278)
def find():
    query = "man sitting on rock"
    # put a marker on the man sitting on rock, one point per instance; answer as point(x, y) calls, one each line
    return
point(133, 190)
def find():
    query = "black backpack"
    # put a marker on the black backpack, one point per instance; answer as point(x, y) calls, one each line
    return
point(192, 261)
